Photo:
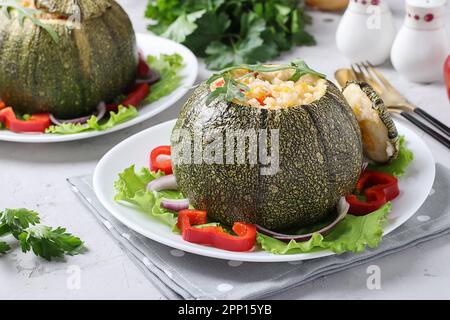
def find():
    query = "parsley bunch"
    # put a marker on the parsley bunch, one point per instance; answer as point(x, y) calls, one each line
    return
point(44, 241)
point(232, 32)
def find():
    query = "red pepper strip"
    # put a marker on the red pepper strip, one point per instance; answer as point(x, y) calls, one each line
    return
point(143, 68)
point(374, 200)
point(370, 179)
point(135, 98)
point(36, 123)
point(377, 187)
point(2, 105)
point(220, 83)
point(164, 165)
point(112, 107)
point(215, 236)
point(140, 92)
point(261, 101)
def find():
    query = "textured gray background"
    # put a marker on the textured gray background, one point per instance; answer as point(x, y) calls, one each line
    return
point(33, 176)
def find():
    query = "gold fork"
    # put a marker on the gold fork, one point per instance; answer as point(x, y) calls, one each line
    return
point(391, 96)
point(395, 101)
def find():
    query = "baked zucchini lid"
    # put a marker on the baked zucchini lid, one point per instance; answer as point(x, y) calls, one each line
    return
point(379, 133)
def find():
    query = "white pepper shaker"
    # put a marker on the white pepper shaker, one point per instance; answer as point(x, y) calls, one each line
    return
point(366, 31)
point(422, 45)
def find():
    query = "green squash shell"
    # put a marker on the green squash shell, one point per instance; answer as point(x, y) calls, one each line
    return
point(379, 133)
point(68, 8)
point(93, 61)
point(320, 158)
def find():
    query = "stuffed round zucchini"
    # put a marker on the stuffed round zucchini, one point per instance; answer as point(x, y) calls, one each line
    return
point(289, 113)
point(66, 56)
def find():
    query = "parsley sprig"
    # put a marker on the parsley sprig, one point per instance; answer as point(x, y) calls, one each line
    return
point(232, 32)
point(233, 89)
point(44, 241)
point(6, 6)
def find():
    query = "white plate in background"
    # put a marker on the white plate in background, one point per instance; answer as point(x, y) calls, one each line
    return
point(150, 45)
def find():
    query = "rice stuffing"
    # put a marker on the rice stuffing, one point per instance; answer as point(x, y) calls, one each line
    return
point(274, 90)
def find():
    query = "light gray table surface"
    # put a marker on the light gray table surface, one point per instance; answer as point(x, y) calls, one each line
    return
point(34, 176)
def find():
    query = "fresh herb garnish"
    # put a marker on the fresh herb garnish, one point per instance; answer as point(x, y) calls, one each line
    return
point(232, 89)
point(122, 115)
point(6, 6)
point(227, 33)
point(44, 241)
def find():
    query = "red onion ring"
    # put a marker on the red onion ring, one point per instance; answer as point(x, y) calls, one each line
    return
point(365, 164)
point(163, 157)
point(101, 110)
point(342, 209)
point(174, 204)
point(163, 183)
point(151, 78)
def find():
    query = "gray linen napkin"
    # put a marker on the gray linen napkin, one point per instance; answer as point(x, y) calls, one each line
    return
point(180, 275)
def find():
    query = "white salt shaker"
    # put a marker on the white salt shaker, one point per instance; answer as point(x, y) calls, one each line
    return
point(422, 45)
point(366, 31)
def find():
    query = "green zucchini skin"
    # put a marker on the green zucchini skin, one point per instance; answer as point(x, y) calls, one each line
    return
point(68, 78)
point(320, 159)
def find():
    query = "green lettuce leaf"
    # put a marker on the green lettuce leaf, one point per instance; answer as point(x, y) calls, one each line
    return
point(169, 67)
point(352, 234)
point(122, 115)
point(398, 166)
point(131, 188)
point(68, 128)
point(115, 118)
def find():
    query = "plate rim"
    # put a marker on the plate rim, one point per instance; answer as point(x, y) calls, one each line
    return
point(229, 255)
point(175, 97)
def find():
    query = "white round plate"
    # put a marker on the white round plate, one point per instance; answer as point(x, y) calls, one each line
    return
point(415, 186)
point(150, 45)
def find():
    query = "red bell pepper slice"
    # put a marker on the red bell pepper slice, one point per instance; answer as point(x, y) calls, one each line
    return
point(215, 236)
point(140, 93)
point(370, 179)
point(2, 105)
point(134, 98)
point(161, 165)
point(36, 123)
point(261, 101)
point(262, 98)
point(143, 68)
point(375, 199)
point(377, 188)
